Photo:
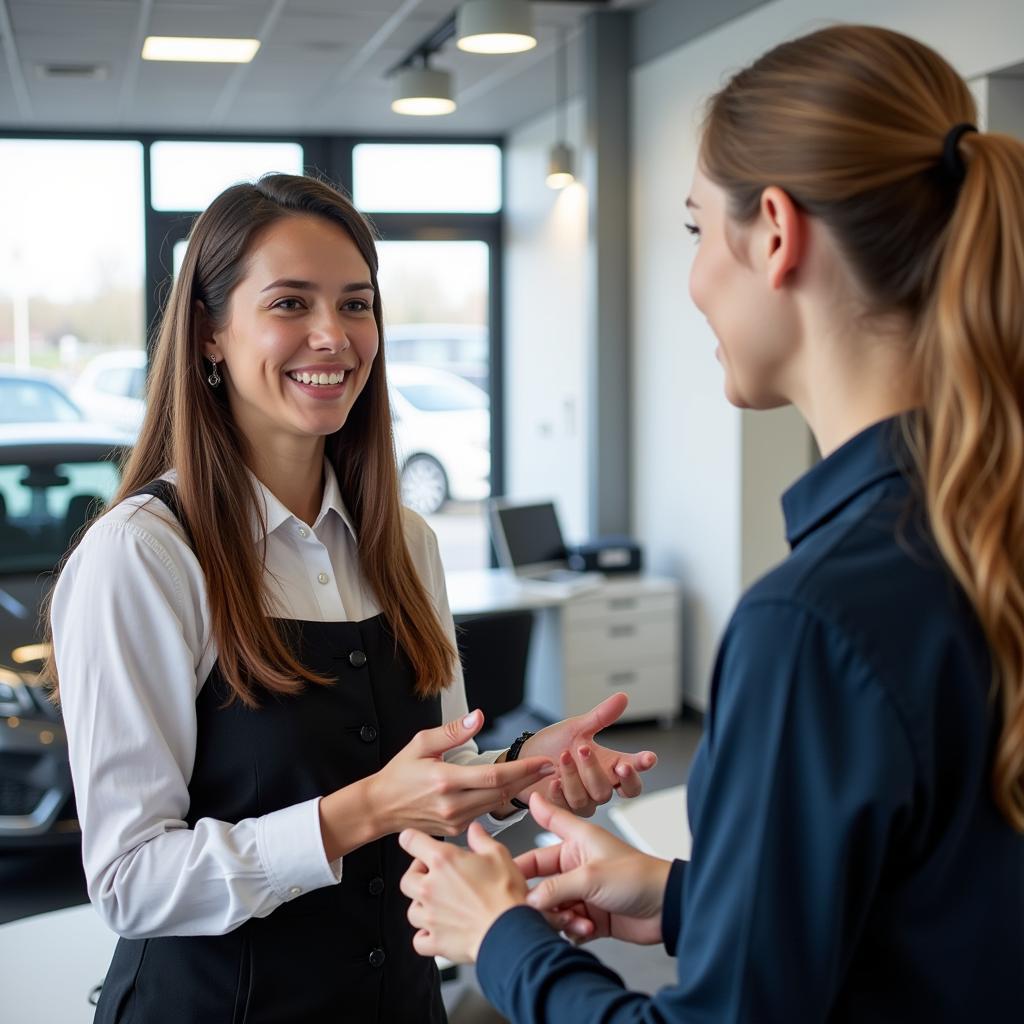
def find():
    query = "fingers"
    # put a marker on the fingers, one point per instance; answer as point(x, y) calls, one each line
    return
point(479, 841)
point(420, 846)
point(629, 782)
point(604, 714)
point(435, 742)
point(573, 786)
point(595, 780)
point(563, 823)
point(644, 761)
point(572, 887)
point(539, 862)
point(505, 775)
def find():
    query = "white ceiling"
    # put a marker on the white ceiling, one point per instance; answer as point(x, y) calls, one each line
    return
point(321, 67)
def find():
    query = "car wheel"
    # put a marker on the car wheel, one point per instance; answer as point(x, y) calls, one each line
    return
point(424, 485)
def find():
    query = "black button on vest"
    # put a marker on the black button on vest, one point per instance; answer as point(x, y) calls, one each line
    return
point(306, 961)
point(367, 734)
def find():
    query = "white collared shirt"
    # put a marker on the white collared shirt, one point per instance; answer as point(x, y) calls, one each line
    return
point(133, 647)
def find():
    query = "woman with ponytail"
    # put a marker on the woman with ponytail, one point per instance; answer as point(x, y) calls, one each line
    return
point(256, 657)
point(857, 801)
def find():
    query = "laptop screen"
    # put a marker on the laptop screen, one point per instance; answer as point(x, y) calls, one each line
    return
point(527, 535)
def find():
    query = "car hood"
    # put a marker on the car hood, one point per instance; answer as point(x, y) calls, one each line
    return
point(469, 426)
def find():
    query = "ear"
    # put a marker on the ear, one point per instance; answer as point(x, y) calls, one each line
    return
point(784, 235)
point(207, 336)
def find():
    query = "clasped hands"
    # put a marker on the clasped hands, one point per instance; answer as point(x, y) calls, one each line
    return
point(594, 886)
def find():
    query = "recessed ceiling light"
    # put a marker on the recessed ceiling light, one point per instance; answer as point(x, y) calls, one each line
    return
point(200, 49)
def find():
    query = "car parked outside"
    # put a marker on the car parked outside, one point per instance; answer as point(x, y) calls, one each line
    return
point(458, 348)
point(54, 477)
point(34, 396)
point(111, 388)
point(442, 435)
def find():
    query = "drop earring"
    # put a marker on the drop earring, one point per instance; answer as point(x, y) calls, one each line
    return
point(214, 379)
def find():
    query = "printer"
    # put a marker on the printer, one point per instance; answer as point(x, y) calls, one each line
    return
point(613, 554)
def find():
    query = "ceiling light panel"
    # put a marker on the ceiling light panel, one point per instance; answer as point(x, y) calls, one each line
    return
point(198, 49)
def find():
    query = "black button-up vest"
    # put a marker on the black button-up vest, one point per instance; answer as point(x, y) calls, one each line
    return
point(338, 954)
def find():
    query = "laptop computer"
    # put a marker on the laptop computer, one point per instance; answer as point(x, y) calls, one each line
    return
point(528, 540)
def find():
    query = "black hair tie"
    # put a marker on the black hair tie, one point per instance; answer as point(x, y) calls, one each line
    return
point(953, 166)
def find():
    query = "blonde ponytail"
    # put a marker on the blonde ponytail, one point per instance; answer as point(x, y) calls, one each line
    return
point(970, 430)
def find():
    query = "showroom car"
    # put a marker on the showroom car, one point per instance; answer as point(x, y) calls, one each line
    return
point(54, 477)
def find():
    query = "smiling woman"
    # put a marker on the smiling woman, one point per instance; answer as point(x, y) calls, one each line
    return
point(256, 652)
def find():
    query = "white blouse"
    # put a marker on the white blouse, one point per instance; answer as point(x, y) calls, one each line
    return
point(133, 647)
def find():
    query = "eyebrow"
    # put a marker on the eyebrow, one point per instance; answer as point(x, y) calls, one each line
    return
point(310, 286)
point(690, 204)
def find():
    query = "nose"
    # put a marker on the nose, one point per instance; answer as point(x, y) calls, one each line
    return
point(329, 333)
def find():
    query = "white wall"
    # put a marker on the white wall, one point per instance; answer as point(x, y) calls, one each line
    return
point(707, 477)
point(545, 325)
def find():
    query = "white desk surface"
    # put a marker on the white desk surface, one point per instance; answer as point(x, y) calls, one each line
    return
point(53, 961)
point(484, 591)
point(655, 823)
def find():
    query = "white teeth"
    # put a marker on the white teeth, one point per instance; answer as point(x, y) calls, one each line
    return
point(318, 379)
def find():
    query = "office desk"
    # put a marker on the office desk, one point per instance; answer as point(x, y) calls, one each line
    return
point(619, 633)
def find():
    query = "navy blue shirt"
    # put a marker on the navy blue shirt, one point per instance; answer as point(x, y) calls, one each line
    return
point(848, 862)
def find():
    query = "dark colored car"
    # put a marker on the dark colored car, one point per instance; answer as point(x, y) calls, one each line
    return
point(53, 478)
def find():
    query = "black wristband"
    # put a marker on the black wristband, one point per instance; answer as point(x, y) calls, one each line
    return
point(511, 755)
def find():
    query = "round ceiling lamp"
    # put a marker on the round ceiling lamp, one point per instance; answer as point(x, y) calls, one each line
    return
point(423, 92)
point(494, 26)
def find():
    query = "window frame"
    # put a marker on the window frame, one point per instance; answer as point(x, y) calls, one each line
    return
point(331, 157)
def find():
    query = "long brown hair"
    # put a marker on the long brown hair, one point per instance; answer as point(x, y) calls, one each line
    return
point(188, 427)
point(851, 122)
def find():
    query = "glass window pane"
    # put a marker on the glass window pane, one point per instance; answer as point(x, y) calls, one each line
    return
point(189, 175)
point(72, 251)
point(446, 396)
point(448, 178)
point(34, 401)
point(435, 299)
point(44, 506)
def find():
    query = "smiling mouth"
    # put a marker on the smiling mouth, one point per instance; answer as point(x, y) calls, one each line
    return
point(318, 379)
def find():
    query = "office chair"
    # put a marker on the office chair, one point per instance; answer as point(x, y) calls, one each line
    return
point(494, 651)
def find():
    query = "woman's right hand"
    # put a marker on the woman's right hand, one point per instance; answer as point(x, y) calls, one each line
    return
point(418, 789)
point(595, 885)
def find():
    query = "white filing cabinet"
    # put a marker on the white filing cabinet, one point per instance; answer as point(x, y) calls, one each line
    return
point(620, 635)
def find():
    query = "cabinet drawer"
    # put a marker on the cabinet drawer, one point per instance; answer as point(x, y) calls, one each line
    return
point(588, 609)
point(653, 690)
point(617, 641)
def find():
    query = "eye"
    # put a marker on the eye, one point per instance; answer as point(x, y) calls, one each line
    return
point(357, 306)
point(287, 304)
point(694, 231)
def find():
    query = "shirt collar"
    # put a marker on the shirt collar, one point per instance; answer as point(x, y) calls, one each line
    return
point(277, 515)
point(864, 460)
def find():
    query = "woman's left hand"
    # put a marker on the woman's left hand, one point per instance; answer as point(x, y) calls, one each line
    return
point(457, 894)
point(588, 773)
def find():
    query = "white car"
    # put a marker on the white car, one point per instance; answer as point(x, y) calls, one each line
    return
point(442, 435)
point(111, 389)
